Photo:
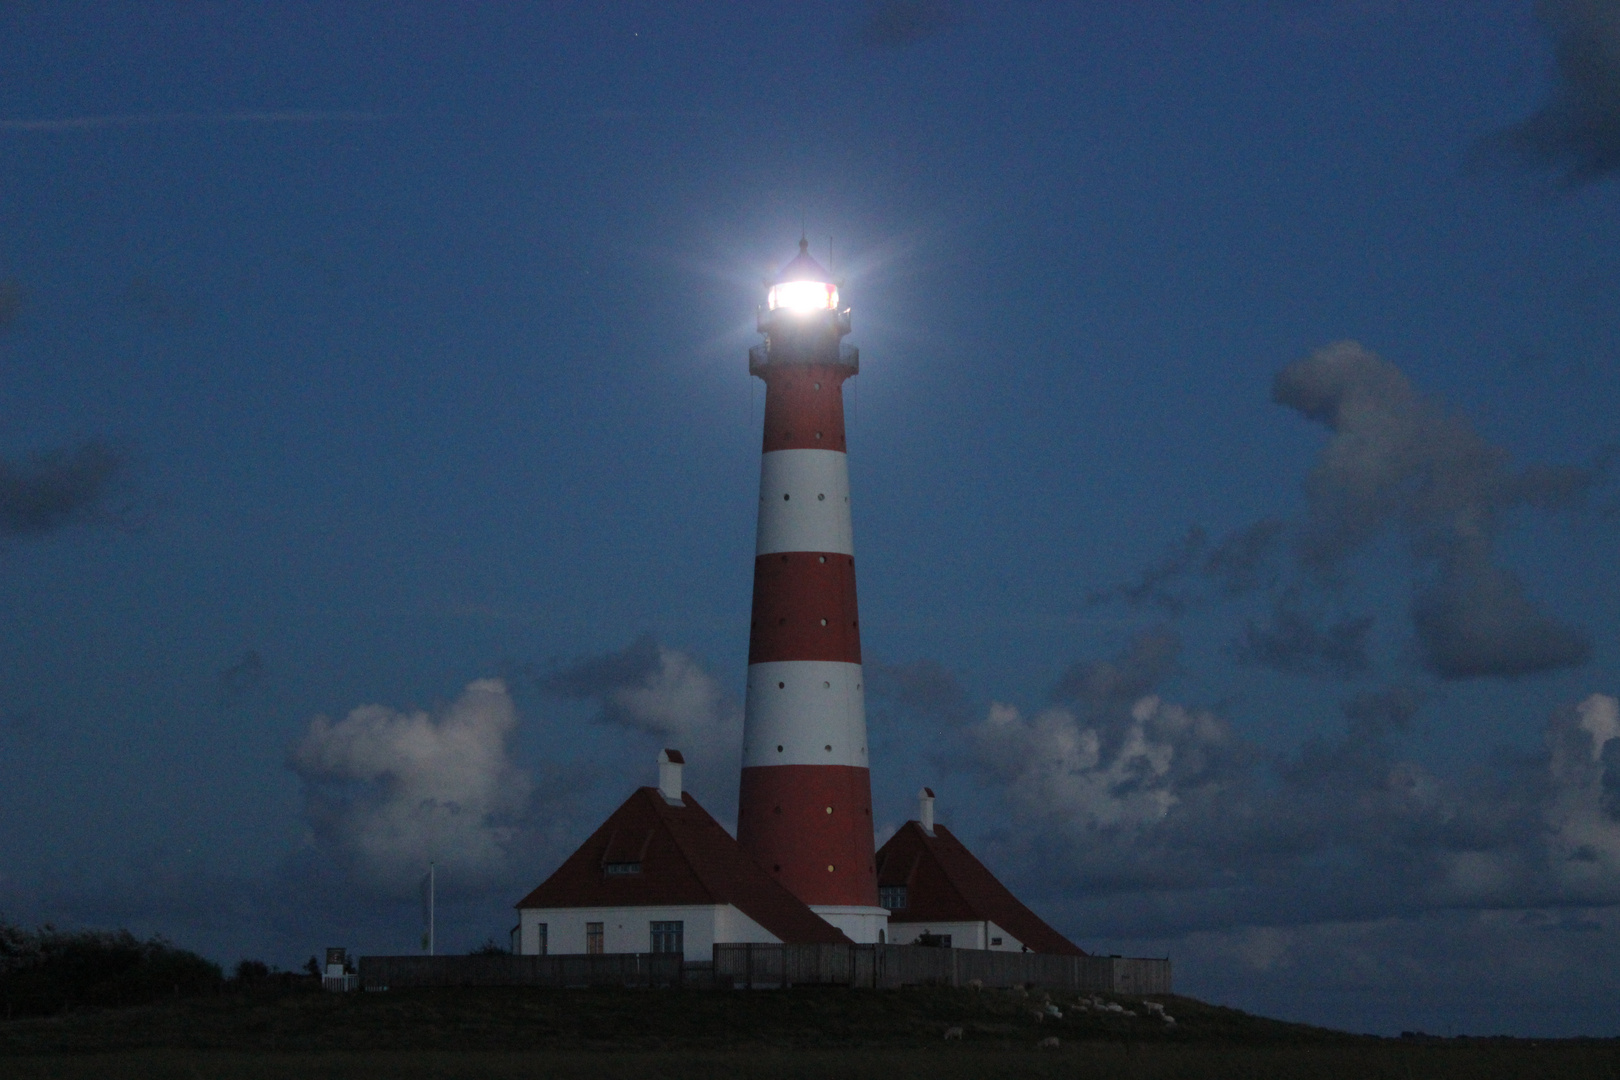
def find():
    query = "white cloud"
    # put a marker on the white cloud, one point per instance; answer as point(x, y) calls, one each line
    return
point(681, 702)
point(667, 694)
point(392, 790)
point(1093, 775)
point(1584, 833)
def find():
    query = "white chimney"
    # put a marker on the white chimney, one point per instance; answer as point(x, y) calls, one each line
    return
point(669, 776)
point(925, 810)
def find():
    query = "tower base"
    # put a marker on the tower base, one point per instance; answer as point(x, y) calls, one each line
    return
point(862, 925)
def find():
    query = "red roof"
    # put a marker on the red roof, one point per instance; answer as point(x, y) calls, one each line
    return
point(684, 857)
point(945, 883)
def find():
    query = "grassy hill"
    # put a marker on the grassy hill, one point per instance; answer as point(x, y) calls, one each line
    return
point(288, 1029)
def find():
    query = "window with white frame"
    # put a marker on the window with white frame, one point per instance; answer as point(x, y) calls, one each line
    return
point(669, 936)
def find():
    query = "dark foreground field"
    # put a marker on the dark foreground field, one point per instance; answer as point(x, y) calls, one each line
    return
point(645, 1034)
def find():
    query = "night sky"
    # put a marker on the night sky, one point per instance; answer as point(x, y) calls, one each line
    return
point(1234, 464)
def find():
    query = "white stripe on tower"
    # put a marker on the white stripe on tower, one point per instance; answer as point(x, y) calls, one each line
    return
point(804, 502)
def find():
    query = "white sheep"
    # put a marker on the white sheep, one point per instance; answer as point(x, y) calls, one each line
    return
point(953, 1033)
point(1053, 1011)
point(1049, 1043)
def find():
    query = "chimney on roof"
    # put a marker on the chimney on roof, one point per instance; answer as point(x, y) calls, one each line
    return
point(669, 776)
point(925, 810)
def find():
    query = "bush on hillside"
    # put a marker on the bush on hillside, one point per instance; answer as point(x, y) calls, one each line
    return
point(45, 971)
point(249, 972)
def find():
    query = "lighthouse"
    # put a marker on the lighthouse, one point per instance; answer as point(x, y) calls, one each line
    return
point(805, 805)
point(661, 875)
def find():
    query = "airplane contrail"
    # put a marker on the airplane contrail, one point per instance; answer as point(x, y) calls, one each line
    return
point(257, 116)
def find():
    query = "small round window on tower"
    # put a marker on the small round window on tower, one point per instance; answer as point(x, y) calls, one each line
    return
point(823, 622)
point(781, 686)
point(821, 498)
point(829, 748)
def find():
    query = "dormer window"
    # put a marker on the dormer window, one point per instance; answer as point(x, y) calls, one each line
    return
point(892, 897)
point(621, 869)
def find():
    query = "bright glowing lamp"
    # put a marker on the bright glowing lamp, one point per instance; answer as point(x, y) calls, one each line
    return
point(803, 296)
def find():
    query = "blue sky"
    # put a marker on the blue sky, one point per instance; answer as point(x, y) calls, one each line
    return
point(352, 356)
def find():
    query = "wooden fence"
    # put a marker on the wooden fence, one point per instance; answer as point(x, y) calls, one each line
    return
point(764, 966)
point(888, 966)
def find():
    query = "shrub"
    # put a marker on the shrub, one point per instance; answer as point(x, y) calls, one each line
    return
point(45, 971)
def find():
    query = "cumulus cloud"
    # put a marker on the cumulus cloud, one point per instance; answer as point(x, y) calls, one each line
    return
point(661, 691)
point(1290, 640)
point(1396, 463)
point(1242, 562)
point(1144, 812)
point(1107, 778)
point(1106, 687)
point(391, 790)
point(58, 488)
point(1577, 131)
point(1091, 775)
point(1582, 819)
point(1397, 460)
point(1476, 620)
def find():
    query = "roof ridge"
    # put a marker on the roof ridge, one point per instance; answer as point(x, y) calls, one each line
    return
point(660, 809)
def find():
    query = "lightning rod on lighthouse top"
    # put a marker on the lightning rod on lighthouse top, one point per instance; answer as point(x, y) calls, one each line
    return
point(805, 805)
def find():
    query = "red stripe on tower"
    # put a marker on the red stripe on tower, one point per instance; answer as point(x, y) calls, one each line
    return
point(805, 809)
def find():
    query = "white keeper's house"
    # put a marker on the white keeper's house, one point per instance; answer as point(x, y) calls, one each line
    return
point(938, 893)
point(661, 875)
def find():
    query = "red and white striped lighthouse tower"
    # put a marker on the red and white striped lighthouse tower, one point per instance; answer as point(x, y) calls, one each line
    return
point(805, 808)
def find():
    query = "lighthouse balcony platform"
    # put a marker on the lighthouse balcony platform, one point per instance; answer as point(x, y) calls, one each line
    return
point(762, 358)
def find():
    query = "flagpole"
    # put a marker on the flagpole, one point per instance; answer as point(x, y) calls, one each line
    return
point(432, 900)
